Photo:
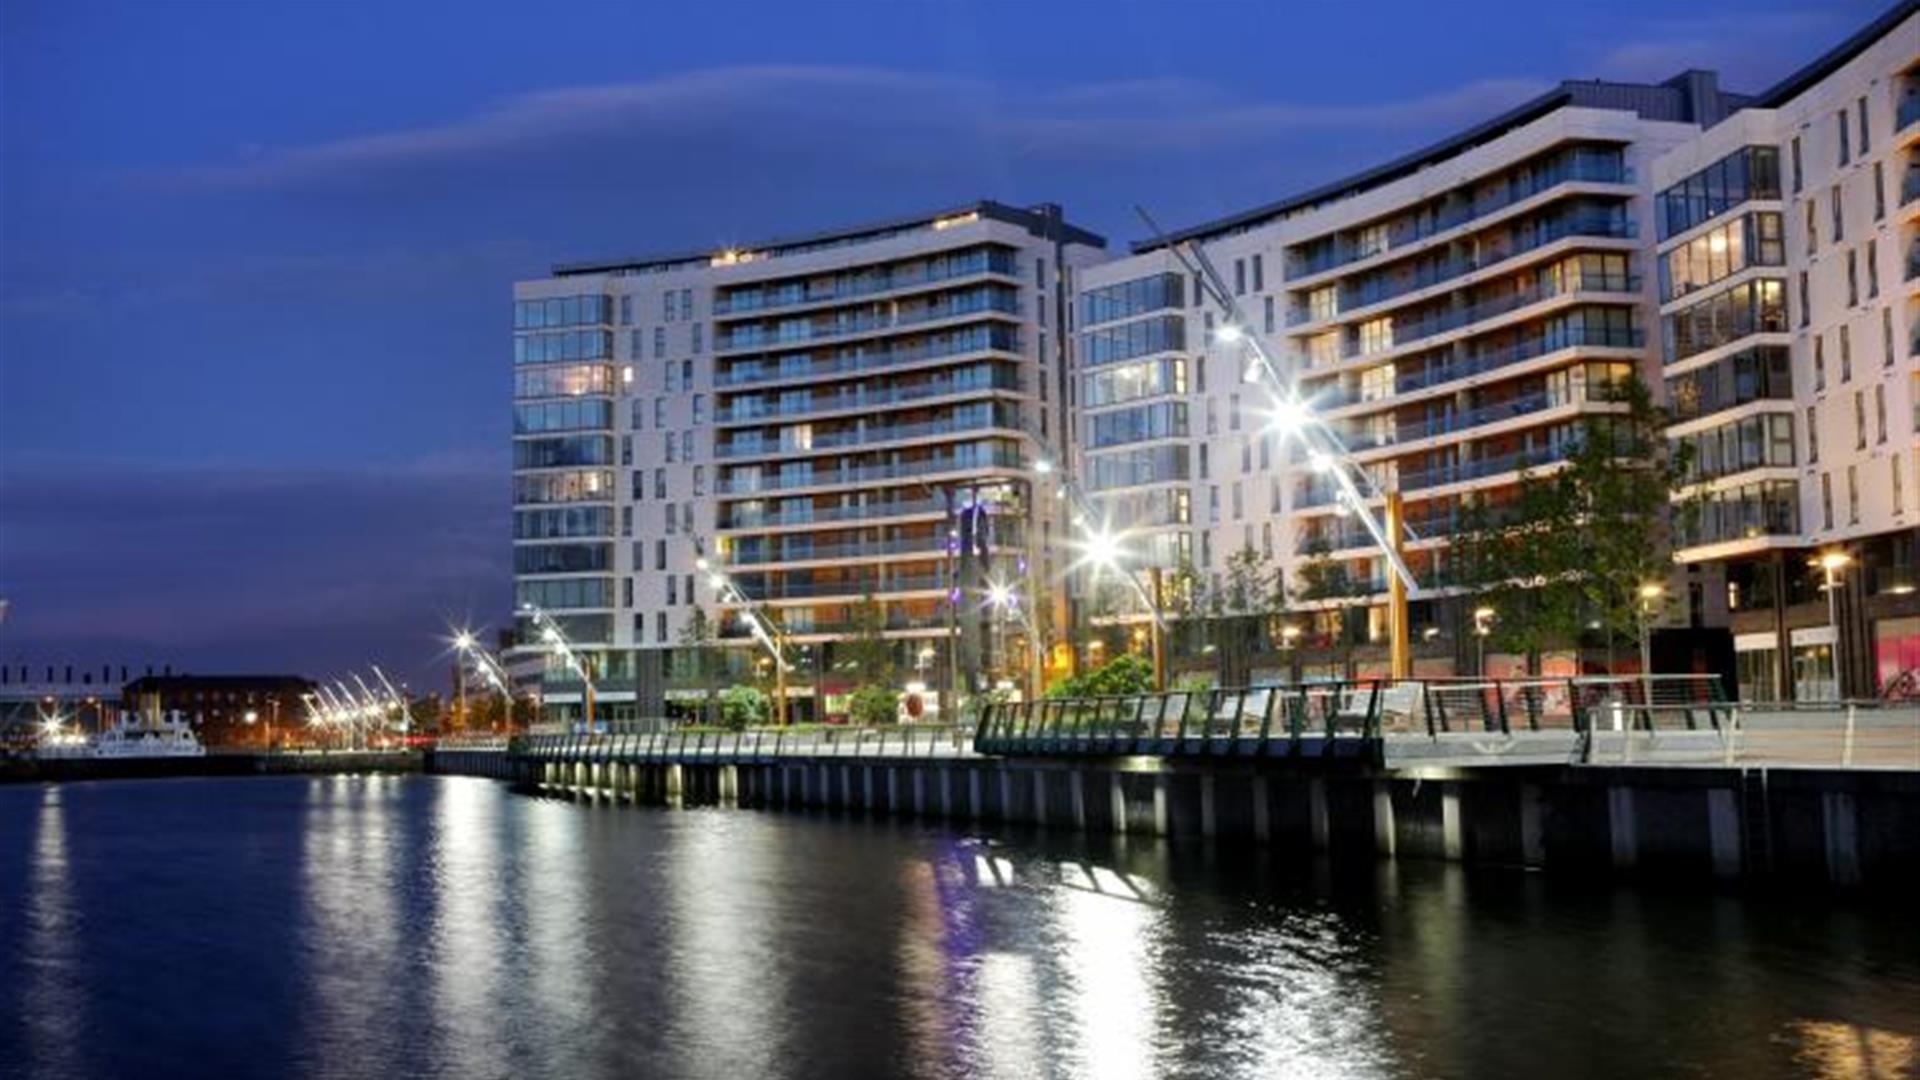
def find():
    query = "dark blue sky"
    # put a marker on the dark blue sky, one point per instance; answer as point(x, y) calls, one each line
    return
point(255, 256)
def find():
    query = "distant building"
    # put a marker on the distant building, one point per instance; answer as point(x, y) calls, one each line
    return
point(227, 710)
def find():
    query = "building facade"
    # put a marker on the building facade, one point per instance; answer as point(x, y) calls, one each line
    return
point(865, 413)
point(836, 433)
point(1789, 277)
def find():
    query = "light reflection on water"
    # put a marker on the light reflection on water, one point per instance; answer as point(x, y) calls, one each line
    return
point(362, 926)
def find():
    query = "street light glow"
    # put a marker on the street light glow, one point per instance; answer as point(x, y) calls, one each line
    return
point(1652, 591)
point(1043, 466)
point(1831, 561)
point(1229, 333)
point(1288, 417)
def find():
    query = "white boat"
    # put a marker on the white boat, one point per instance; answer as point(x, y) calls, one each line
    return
point(136, 736)
point(151, 737)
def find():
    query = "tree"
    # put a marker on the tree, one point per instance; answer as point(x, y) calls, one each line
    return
point(1241, 605)
point(1572, 550)
point(743, 706)
point(697, 644)
point(867, 651)
point(1127, 673)
point(872, 706)
point(1322, 577)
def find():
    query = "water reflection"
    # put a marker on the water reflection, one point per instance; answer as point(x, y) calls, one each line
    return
point(464, 860)
point(52, 1002)
point(426, 927)
point(354, 952)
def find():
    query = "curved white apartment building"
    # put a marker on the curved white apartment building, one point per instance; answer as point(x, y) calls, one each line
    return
point(862, 412)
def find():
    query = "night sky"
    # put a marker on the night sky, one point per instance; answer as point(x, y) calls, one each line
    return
point(256, 257)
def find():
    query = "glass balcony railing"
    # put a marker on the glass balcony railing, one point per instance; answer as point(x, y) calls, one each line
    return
point(807, 365)
point(756, 592)
point(1604, 169)
point(755, 337)
point(1435, 374)
point(1908, 112)
point(928, 546)
point(768, 298)
point(785, 481)
point(743, 519)
point(1480, 468)
point(861, 437)
point(861, 397)
point(1548, 233)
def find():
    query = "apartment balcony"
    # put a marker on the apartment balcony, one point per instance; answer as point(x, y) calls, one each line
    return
point(738, 520)
point(896, 623)
point(1354, 308)
point(922, 547)
point(1461, 472)
point(1733, 521)
point(1435, 376)
point(833, 442)
point(862, 474)
point(773, 299)
point(1585, 169)
point(803, 366)
point(1458, 423)
point(756, 410)
point(855, 589)
point(1906, 121)
point(748, 338)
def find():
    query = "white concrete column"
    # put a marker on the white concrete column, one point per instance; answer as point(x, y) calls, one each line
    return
point(1317, 812)
point(1723, 829)
point(1262, 811)
point(1385, 837)
point(1450, 832)
point(1209, 821)
point(1842, 827)
point(1077, 781)
point(1006, 794)
point(1533, 848)
point(1623, 831)
point(1117, 800)
point(1160, 783)
point(893, 789)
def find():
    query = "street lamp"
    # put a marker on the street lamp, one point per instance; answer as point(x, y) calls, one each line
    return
point(556, 639)
point(764, 630)
point(1482, 626)
point(1831, 562)
point(1650, 596)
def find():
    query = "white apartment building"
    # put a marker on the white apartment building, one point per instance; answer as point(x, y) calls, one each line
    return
point(861, 412)
point(1789, 279)
point(1454, 315)
point(825, 420)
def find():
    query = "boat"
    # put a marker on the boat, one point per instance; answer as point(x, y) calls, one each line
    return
point(167, 735)
point(139, 735)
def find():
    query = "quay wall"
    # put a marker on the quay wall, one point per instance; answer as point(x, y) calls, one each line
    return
point(1793, 828)
point(31, 770)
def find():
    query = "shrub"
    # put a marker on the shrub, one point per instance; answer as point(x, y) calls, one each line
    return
point(873, 705)
point(742, 706)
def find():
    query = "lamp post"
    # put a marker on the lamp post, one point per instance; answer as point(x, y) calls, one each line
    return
point(556, 639)
point(1830, 564)
point(1482, 626)
point(766, 631)
point(1650, 596)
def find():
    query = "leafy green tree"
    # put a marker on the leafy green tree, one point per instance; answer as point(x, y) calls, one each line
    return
point(743, 706)
point(1127, 673)
point(872, 706)
point(699, 661)
point(1570, 553)
point(866, 650)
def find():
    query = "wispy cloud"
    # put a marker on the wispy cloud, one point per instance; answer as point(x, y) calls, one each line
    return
point(1750, 49)
point(848, 117)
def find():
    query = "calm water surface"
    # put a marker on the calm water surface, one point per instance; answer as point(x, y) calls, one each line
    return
point(424, 926)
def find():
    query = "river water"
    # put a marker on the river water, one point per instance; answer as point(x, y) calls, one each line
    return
point(425, 926)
